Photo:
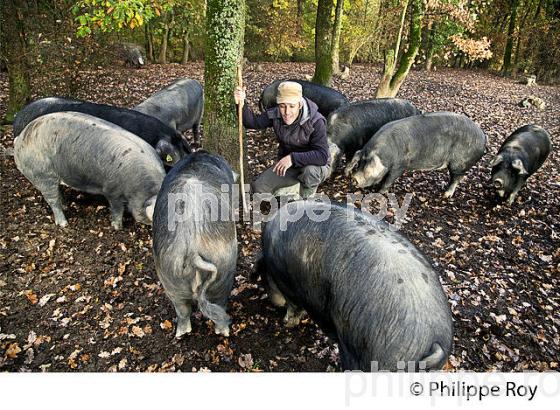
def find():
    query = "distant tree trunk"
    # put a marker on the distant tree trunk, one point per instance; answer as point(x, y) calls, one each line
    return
point(149, 42)
point(391, 81)
point(299, 21)
point(337, 29)
point(356, 47)
point(14, 51)
point(390, 59)
point(185, 58)
point(162, 59)
point(519, 37)
point(509, 44)
point(225, 26)
point(323, 31)
point(432, 27)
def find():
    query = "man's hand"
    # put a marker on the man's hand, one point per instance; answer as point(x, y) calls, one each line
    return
point(239, 95)
point(282, 166)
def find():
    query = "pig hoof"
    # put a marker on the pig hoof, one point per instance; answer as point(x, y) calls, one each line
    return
point(448, 194)
point(117, 226)
point(292, 322)
point(183, 329)
point(62, 224)
point(224, 331)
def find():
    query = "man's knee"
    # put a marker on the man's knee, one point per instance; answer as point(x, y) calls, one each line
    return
point(312, 175)
point(256, 186)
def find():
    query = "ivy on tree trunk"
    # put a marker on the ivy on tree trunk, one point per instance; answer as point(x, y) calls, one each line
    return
point(323, 31)
point(14, 50)
point(225, 25)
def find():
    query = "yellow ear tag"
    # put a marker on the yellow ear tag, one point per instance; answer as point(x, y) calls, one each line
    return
point(168, 158)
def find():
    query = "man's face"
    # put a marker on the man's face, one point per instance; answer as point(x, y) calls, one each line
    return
point(289, 112)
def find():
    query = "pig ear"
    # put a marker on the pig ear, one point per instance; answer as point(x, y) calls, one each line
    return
point(235, 176)
point(350, 167)
point(382, 169)
point(518, 165)
point(496, 160)
point(163, 149)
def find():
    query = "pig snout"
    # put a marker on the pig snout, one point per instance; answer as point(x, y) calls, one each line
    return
point(498, 183)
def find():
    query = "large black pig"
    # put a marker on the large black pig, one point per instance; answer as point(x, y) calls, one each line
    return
point(351, 126)
point(424, 142)
point(179, 105)
point(366, 286)
point(168, 143)
point(519, 157)
point(91, 155)
point(326, 98)
point(194, 239)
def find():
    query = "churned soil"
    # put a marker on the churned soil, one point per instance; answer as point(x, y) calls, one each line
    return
point(86, 297)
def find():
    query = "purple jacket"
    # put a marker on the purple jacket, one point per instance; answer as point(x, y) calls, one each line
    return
point(305, 141)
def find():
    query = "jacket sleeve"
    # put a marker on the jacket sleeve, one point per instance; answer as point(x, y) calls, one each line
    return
point(318, 153)
point(252, 121)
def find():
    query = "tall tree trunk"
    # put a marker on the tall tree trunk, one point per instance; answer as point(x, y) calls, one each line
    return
point(14, 52)
point(225, 26)
point(389, 85)
point(432, 27)
point(509, 44)
point(519, 35)
point(149, 42)
point(323, 31)
point(390, 58)
point(185, 58)
point(337, 29)
point(169, 20)
point(299, 21)
point(162, 59)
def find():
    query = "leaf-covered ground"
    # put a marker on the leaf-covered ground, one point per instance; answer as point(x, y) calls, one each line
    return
point(86, 298)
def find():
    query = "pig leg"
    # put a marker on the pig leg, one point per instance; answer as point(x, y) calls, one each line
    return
point(511, 198)
point(389, 179)
point(453, 182)
point(196, 132)
point(183, 309)
point(293, 315)
point(348, 360)
point(276, 297)
point(117, 210)
point(51, 193)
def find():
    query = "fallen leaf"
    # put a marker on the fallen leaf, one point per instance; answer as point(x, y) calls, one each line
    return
point(166, 325)
point(13, 350)
point(137, 331)
point(31, 297)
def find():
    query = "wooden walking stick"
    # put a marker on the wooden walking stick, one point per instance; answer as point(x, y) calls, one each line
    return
point(240, 122)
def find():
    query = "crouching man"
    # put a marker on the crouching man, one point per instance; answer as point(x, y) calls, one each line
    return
point(303, 153)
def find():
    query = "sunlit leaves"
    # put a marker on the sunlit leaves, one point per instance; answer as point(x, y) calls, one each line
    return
point(115, 15)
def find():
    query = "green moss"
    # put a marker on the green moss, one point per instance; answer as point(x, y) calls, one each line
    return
point(225, 24)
